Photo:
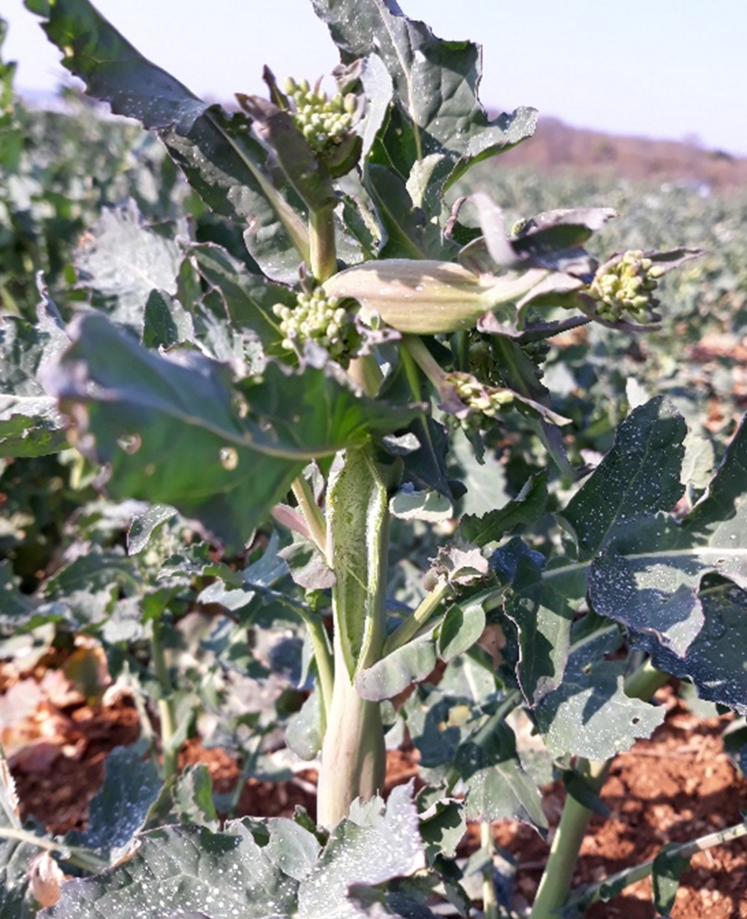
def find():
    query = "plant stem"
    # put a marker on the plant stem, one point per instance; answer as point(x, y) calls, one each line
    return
point(311, 513)
point(353, 754)
point(414, 348)
point(489, 900)
point(556, 878)
point(412, 625)
point(81, 858)
point(322, 245)
point(626, 877)
point(166, 707)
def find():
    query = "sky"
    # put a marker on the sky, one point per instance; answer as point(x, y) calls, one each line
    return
point(667, 69)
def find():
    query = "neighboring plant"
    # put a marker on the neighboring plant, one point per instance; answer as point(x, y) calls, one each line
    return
point(377, 327)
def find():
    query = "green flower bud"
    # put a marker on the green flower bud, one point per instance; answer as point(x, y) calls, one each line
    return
point(626, 284)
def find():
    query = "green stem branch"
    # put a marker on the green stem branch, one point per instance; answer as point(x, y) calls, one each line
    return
point(628, 876)
point(166, 707)
point(412, 625)
point(322, 244)
point(81, 858)
point(312, 513)
point(566, 845)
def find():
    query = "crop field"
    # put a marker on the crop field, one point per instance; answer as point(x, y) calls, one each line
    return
point(373, 534)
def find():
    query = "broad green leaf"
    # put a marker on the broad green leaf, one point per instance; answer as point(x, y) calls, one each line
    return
point(256, 869)
point(431, 506)
point(460, 628)
point(395, 672)
point(248, 297)
point(650, 579)
point(304, 730)
point(714, 660)
point(143, 413)
point(186, 799)
point(525, 508)
point(144, 525)
point(120, 260)
point(131, 786)
point(30, 426)
point(224, 163)
point(498, 787)
point(443, 824)
point(589, 714)
point(639, 475)
point(542, 616)
point(307, 565)
point(434, 82)
point(165, 321)
point(403, 231)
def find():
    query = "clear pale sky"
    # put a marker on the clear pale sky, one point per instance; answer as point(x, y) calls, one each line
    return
point(655, 68)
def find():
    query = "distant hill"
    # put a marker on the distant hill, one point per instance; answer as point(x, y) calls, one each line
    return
point(557, 146)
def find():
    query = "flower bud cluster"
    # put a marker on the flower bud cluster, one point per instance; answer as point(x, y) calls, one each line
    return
point(483, 402)
point(626, 285)
point(321, 120)
point(320, 319)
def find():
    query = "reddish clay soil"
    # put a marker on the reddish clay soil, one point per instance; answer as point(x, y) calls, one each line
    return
point(677, 786)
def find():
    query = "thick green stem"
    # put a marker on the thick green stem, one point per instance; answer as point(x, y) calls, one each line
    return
point(166, 707)
point(323, 247)
point(556, 878)
point(353, 754)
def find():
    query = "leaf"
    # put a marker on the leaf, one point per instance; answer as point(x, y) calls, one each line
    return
point(118, 810)
point(122, 261)
point(589, 714)
point(542, 616)
point(403, 225)
point(434, 82)
point(304, 170)
point(144, 525)
point(409, 504)
point(461, 627)
point(186, 799)
point(30, 426)
point(498, 786)
point(165, 321)
point(307, 565)
point(142, 413)
point(304, 730)
point(525, 508)
point(258, 869)
point(248, 297)
point(650, 578)
point(640, 474)
point(220, 158)
point(668, 868)
point(395, 672)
